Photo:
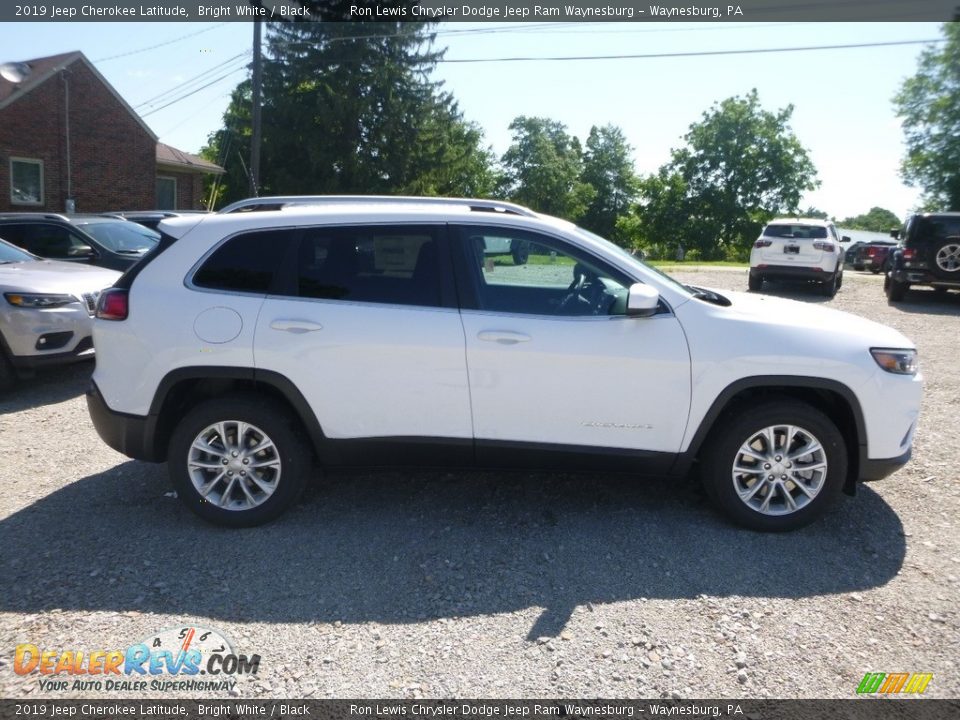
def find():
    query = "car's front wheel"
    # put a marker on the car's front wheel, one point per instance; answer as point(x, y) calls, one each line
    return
point(775, 466)
point(238, 461)
point(7, 374)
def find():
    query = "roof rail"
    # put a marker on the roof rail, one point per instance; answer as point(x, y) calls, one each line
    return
point(26, 215)
point(281, 201)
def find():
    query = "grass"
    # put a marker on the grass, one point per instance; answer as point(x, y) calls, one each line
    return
point(696, 264)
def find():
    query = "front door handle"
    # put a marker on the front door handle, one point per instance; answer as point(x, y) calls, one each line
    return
point(296, 326)
point(504, 337)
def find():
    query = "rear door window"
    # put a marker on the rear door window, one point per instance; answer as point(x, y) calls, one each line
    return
point(398, 265)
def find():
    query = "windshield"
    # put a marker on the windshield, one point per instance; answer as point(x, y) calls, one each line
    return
point(637, 262)
point(11, 254)
point(122, 236)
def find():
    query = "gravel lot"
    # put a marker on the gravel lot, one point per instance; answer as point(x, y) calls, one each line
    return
point(517, 585)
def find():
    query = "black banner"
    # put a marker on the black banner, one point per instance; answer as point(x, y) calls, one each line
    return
point(493, 11)
point(858, 709)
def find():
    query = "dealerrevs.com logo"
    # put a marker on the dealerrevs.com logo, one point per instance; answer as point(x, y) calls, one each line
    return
point(894, 683)
point(188, 658)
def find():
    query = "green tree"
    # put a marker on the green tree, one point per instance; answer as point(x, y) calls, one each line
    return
point(929, 103)
point(350, 108)
point(608, 168)
point(741, 166)
point(542, 169)
point(877, 220)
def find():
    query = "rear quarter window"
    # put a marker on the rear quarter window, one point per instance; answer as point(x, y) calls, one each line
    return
point(246, 263)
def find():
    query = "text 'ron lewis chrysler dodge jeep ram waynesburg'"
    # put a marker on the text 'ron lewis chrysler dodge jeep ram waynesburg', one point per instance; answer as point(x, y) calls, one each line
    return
point(282, 334)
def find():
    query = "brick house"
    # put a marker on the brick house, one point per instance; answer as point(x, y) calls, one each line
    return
point(65, 133)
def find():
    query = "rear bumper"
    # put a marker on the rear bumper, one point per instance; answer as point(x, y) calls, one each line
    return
point(131, 435)
point(791, 272)
point(922, 277)
point(878, 469)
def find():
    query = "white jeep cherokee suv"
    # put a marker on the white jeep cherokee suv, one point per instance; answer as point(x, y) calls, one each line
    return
point(250, 347)
point(799, 249)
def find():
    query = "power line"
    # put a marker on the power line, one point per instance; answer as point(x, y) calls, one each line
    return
point(697, 53)
point(160, 45)
point(196, 78)
point(193, 92)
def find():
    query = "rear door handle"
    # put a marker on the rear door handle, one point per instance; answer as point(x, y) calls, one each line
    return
point(504, 337)
point(296, 326)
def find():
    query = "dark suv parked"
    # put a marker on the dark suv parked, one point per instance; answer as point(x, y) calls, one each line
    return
point(90, 239)
point(929, 254)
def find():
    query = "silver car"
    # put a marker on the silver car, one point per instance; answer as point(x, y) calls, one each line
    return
point(46, 310)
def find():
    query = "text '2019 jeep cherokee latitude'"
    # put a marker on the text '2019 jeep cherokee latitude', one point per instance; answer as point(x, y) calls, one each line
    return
point(251, 345)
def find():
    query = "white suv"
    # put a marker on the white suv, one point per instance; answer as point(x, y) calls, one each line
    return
point(799, 249)
point(250, 347)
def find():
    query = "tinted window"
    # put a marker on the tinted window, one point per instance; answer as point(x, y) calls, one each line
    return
point(48, 240)
point(122, 236)
point(245, 263)
point(940, 228)
point(815, 232)
point(397, 265)
point(539, 275)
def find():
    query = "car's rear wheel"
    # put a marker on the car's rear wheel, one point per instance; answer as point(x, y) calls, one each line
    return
point(894, 290)
point(829, 287)
point(947, 259)
point(238, 461)
point(775, 466)
point(755, 281)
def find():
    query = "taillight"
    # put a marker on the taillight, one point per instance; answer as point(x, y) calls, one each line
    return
point(113, 304)
point(763, 243)
point(825, 246)
point(908, 253)
point(871, 251)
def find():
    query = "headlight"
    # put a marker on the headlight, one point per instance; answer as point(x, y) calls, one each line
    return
point(901, 362)
point(39, 300)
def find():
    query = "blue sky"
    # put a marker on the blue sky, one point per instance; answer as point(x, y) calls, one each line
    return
point(843, 113)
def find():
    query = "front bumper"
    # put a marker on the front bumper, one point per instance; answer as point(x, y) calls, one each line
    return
point(131, 435)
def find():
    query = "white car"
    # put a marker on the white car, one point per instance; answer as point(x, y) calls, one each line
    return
point(251, 346)
point(46, 310)
point(799, 249)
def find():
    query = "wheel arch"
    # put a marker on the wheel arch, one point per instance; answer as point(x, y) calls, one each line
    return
point(184, 388)
point(831, 397)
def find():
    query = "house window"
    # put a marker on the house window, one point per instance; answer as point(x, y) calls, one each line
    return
point(166, 193)
point(26, 181)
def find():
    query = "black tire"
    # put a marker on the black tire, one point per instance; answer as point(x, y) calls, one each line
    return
point(946, 261)
point(840, 277)
point(290, 458)
point(8, 375)
point(737, 427)
point(858, 266)
point(520, 250)
point(894, 290)
point(828, 288)
point(754, 282)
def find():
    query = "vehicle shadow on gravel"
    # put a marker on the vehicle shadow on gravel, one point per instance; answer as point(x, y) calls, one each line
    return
point(806, 292)
point(395, 547)
point(47, 386)
point(928, 302)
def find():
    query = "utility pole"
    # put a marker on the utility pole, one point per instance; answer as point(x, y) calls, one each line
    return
point(255, 114)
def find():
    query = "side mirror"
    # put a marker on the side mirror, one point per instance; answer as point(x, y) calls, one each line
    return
point(844, 238)
point(895, 234)
point(642, 300)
